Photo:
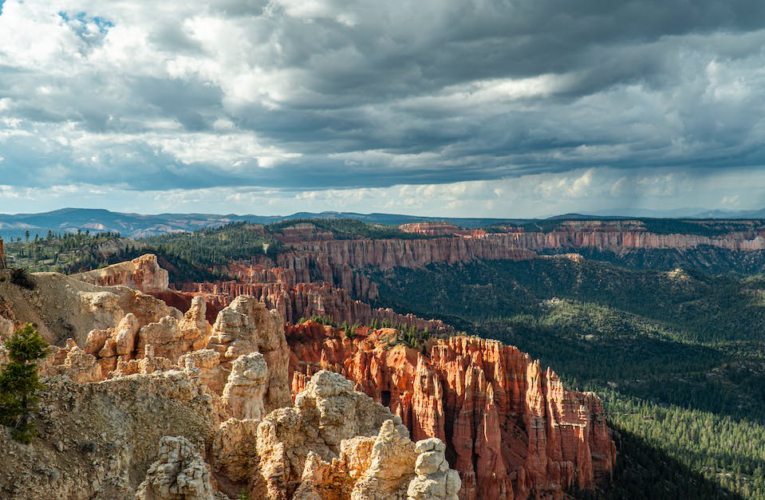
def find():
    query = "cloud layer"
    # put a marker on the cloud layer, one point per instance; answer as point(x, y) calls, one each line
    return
point(305, 96)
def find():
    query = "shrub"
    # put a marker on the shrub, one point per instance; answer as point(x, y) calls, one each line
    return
point(20, 277)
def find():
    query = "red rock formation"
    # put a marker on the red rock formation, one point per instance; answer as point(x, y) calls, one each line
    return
point(511, 428)
point(387, 254)
point(3, 262)
point(296, 302)
point(616, 241)
point(336, 261)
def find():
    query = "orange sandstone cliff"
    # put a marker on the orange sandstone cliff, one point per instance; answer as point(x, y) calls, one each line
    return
point(511, 429)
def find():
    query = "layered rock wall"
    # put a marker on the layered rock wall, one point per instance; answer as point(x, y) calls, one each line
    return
point(335, 261)
point(436, 229)
point(619, 241)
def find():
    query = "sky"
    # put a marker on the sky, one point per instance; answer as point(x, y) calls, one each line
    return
point(503, 108)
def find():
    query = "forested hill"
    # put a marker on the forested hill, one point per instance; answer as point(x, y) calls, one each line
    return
point(70, 220)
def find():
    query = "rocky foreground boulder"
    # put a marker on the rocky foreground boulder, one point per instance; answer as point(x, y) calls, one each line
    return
point(97, 440)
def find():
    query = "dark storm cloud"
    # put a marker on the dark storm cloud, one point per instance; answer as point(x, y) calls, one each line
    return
point(336, 93)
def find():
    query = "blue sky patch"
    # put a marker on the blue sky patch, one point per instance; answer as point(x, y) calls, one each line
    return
point(104, 25)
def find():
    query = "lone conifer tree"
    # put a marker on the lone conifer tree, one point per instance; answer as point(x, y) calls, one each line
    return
point(19, 382)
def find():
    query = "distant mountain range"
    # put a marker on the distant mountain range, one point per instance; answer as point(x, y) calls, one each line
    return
point(139, 226)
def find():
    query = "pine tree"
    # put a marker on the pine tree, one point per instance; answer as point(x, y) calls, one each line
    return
point(19, 382)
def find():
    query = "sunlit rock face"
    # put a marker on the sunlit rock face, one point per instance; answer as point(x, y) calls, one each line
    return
point(142, 274)
point(511, 429)
point(336, 443)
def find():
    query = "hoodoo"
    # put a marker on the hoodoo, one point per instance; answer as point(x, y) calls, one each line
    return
point(509, 426)
point(3, 263)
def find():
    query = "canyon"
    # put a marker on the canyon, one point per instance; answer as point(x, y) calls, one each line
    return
point(493, 422)
point(252, 403)
point(315, 274)
point(312, 255)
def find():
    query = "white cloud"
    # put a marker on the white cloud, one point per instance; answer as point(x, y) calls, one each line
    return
point(431, 105)
point(540, 195)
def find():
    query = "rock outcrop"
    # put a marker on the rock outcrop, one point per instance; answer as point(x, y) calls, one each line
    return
point(335, 443)
point(63, 307)
point(97, 440)
point(246, 388)
point(178, 474)
point(142, 274)
point(434, 478)
point(80, 366)
point(245, 327)
point(172, 338)
point(511, 429)
point(130, 346)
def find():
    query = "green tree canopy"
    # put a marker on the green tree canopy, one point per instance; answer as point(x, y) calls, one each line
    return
point(19, 381)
